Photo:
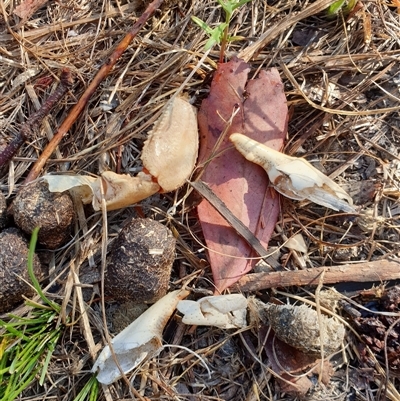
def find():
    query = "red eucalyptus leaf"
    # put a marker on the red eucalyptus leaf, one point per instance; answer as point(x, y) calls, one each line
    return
point(241, 185)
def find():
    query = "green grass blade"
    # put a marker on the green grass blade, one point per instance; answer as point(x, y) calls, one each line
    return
point(26, 349)
point(335, 7)
point(202, 25)
point(50, 349)
point(345, 6)
point(35, 282)
point(91, 389)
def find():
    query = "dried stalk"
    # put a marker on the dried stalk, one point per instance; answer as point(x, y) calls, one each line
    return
point(27, 129)
point(275, 30)
point(79, 106)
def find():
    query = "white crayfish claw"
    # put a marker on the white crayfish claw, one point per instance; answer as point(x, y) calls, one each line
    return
point(294, 177)
point(169, 155)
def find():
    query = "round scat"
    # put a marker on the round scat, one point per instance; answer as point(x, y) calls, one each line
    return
point(140, 262)
point(14, 269)
point(34, 206)
point(299, 327)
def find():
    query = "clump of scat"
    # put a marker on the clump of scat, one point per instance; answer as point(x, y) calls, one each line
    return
point(125, 313)
point(13, 269)
point(3, 211)
point(299, 326)
point(140, 262)
point(34, 206)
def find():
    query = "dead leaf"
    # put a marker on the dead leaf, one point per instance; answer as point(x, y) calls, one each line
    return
point(240, 185)
point(290, 364)
point(363, 192)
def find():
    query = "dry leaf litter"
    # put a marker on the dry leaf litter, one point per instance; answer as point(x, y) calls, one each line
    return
point(341, 80)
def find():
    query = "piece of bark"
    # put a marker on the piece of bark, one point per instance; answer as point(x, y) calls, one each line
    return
point(379, 270)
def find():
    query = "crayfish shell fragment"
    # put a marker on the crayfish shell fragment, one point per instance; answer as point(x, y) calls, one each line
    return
point(170, 152)
point(294, 177)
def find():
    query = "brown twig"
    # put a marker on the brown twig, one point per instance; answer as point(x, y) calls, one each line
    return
point(79, 106)
point(379, 270)
point(27, 129)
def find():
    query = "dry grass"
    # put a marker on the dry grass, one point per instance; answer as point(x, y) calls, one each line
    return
point(353, 134)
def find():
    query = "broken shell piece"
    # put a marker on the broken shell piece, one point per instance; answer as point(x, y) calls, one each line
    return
point(120, 190)
point(140, 340)
point(223, 311)
point(170, 152)
point(296, 243)
point(368, 221)
point(82, 183)
point(299, 326)
point(294, 177)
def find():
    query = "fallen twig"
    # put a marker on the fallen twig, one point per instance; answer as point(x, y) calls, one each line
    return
point(27, 129)
point(79, 106)
point(379, 270)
